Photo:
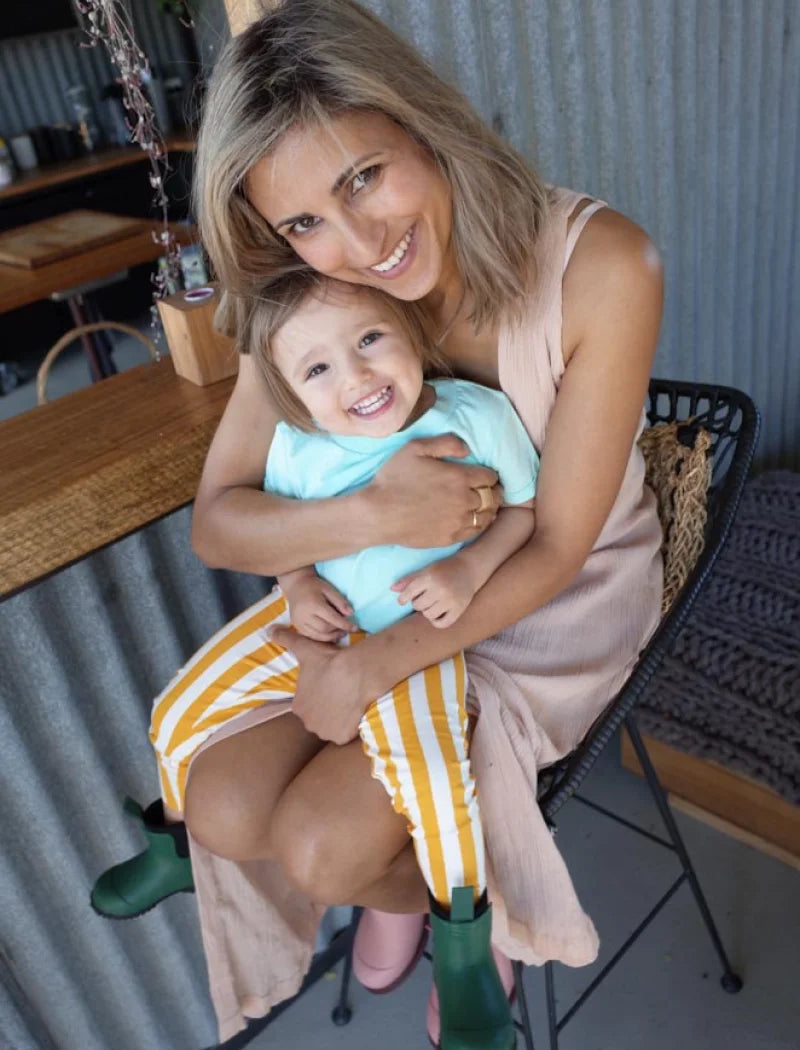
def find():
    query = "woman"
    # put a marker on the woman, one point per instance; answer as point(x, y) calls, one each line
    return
point(327, 143)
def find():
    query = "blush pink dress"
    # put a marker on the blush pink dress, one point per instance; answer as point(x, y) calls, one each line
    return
point(538, 687)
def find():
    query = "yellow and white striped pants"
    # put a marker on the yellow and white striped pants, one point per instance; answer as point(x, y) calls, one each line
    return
point(415, 737)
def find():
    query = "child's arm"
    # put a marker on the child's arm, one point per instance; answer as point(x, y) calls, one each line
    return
point(317, 609)
point(443, 590)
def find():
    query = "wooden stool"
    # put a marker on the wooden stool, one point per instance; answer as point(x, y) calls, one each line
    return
point(85, 312)
point(80, 332)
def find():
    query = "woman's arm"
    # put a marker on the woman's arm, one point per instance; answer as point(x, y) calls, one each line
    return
point(512, 527)
point(415, 500)
point(444, 589)
point(612, 313)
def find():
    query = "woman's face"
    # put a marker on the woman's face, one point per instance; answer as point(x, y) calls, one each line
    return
point(360, 201)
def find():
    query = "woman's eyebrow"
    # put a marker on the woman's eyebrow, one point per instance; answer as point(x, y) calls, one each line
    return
point(348, 172)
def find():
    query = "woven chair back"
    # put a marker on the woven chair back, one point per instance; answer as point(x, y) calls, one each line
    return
point(678, 470)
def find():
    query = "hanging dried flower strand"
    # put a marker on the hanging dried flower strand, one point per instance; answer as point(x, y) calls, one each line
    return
point(108, 22)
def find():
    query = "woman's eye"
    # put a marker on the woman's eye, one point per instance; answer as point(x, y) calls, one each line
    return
point(360, 180)
point(308, 222)
point(369, 338)
point(315, 370)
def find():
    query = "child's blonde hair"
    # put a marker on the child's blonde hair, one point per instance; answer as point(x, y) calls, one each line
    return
point(309, 61)
point(269, 312)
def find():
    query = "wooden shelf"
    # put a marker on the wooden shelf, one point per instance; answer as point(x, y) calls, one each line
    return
point(19, 286)
point(50, 175)
point(92, 467)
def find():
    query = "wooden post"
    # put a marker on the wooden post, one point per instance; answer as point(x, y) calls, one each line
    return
point(199, 354)
point(242, 12)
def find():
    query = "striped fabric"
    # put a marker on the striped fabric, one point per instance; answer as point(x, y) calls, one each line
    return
point(415, 736)
point(416, 739)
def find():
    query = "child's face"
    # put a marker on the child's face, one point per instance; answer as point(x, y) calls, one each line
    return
point(351, 364)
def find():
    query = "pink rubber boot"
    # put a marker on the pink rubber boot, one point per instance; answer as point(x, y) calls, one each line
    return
point(386, 948)
point(506, 970)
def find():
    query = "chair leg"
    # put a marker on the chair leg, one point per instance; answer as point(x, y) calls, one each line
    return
point(522, 999)
point(730, 981)
point(552, 1015)
point(342, 1012)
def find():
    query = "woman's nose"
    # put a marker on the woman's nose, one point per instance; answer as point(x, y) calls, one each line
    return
point(363, 241)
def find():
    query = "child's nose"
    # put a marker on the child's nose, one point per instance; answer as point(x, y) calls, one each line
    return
point(359, 372)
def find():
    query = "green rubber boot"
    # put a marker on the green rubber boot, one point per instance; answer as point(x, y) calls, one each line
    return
point(138, 884)
point(474, 1010)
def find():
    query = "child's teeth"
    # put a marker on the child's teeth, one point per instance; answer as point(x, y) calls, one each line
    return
point(370, 404)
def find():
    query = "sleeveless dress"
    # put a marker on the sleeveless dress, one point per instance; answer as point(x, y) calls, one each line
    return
point(538, 687)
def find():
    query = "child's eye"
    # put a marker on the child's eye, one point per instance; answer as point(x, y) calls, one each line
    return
point(359, 181)
point(308, 222)
point(369, 338)
point(315, 370)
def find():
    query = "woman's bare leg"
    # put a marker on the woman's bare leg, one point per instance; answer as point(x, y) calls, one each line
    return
point(235, 785)
point(354, 848)
point(400, 889)
point(277, 791)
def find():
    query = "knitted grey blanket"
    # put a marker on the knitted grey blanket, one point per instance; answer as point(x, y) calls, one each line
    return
point(730, 688)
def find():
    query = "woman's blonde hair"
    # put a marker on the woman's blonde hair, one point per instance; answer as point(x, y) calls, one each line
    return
point(308, 61)
point(269, 311)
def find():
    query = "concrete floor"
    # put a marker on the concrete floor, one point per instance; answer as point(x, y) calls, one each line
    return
point(665, 993)
point(70, 370)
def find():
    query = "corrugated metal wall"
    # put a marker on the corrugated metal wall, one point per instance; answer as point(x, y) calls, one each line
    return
point(35, 71)
point(682, 113)
point(81, 656)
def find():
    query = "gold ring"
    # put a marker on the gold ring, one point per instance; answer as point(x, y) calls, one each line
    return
point(487, 502)
point(474, 519)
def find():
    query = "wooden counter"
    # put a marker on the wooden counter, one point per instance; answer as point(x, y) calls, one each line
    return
point(96, 465)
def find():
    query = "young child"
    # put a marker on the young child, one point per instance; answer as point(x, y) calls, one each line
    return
point(345, 365)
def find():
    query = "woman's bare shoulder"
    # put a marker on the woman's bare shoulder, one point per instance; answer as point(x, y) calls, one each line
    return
point(614, 262)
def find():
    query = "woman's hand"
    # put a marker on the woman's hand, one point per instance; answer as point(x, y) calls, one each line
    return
point(425, 501)
point(330, 699)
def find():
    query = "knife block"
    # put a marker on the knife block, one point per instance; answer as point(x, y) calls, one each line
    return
point(199, 354)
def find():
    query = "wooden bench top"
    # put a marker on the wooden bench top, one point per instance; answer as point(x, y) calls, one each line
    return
point(87, 469)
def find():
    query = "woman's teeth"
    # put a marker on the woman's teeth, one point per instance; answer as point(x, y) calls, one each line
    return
point(397, 255)
point(372, 403)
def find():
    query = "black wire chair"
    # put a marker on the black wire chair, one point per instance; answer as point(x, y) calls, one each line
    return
point(732, 421)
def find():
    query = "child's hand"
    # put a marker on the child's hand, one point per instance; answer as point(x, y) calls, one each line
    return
point(441, 592)
point(317, 609)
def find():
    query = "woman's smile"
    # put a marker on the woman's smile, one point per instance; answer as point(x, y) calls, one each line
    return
point(401, 258)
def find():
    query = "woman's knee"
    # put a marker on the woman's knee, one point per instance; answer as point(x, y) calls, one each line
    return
point(235, 785)
point(317, 857)
point(307, 856)
point(222, 818)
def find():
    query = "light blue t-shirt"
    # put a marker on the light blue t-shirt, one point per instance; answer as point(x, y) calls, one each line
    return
point(317, 465)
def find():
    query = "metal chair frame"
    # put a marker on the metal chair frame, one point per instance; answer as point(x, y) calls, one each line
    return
point(733, 422)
